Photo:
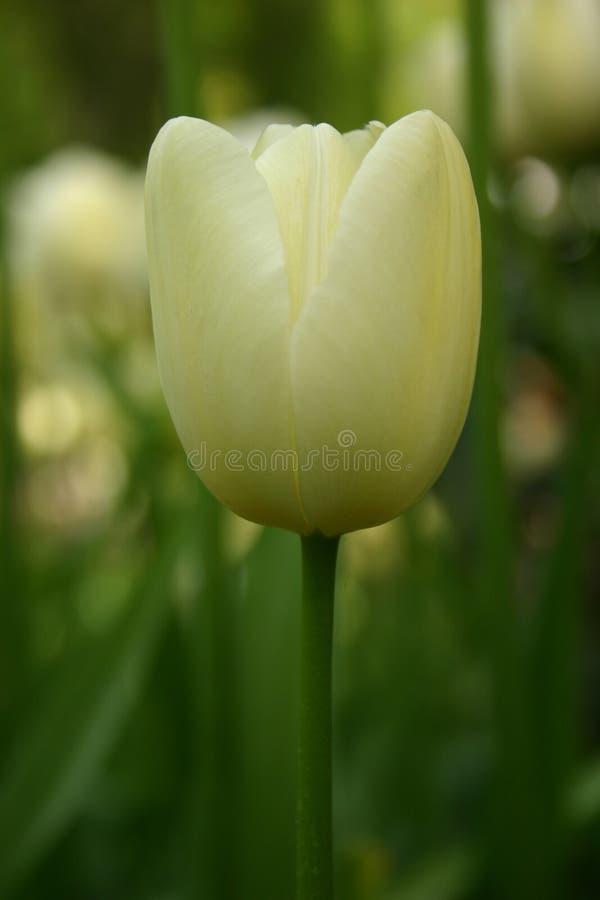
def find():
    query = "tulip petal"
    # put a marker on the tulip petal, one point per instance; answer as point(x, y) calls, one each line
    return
point(269, 135)
point(362, 139)
point(307, 173)
point(221, 314)
point(383, 353)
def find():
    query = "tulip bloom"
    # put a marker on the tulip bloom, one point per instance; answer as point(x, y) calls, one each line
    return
point(316, 309)
point(559, 71)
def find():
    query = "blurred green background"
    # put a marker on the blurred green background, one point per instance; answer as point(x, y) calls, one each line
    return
point(149, 639)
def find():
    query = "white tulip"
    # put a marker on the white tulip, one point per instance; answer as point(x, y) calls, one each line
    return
point(320, 295)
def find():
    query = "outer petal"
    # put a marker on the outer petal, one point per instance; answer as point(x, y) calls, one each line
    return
point(385, 347)
point(221, 316)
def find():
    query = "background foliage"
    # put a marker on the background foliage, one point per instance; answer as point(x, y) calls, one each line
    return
point(148, 640)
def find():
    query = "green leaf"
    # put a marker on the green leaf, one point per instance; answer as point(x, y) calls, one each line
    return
point(74, 727)
point(269, 664)
point(448, 876)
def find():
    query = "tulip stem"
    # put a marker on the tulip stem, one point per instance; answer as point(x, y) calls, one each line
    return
point(314, 868)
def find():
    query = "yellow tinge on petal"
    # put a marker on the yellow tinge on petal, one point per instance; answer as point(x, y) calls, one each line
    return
point(321, 294)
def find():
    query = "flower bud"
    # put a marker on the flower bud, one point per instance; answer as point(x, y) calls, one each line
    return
point(316, 311)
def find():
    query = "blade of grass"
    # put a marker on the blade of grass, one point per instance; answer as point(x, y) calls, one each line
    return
point(511, 814)
point(59, 753)
point(555, 653)
point(270, 619)
point(496, 511)
point(209, 638)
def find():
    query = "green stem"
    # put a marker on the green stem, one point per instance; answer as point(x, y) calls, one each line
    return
point(178, 31)
point(494, 496)
point(496, 509)
point(314, 874)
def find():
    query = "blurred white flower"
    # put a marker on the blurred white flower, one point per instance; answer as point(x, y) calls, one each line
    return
point(68, 493)
point(50, 419)
point(546, 72)
point(77, 254)
point(558, 55)
point(536, 195)
point(534, 427)
point(73, 439)
point(56, 415)
point(78, 217)
point(431, 75)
